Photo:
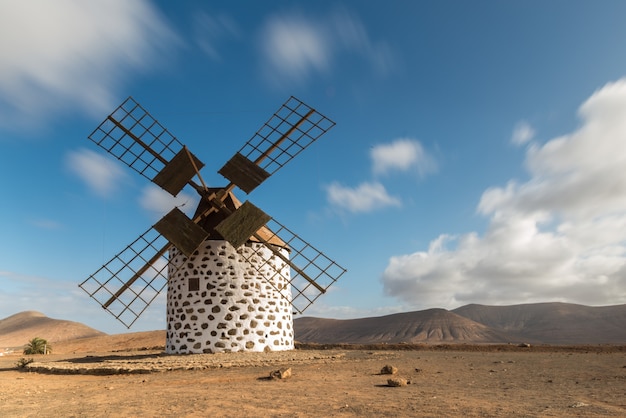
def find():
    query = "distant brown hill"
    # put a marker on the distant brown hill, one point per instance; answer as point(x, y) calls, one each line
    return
point(542, 323)
point(131, 341)
point(553, 323)
point(432, 325)
point(18, 329)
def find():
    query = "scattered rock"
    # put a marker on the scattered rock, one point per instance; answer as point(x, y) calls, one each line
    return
point(389, 369)
point(281, 374)
point(396, 382)
point(525, 345)
point(578, 405)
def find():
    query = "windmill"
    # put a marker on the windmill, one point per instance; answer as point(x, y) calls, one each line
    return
point(234, 275)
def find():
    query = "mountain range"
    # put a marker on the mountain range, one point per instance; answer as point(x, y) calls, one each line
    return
point(539, 323)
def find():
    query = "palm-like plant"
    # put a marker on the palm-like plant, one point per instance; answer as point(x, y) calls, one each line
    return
point(37, 346)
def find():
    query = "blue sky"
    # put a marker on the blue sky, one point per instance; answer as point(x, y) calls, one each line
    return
point(478, 155)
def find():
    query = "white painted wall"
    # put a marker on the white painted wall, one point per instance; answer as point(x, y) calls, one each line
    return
point(238, 306)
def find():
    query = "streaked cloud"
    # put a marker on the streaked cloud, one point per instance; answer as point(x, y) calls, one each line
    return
point(352, 35)
point(522, 133)
point(401, 155)
point(560, 236)
point(321, 310)
point(366, 197)
point(72, 54)
point(100, 173)
point(159, 202)
point(211, 30)
point(47, 224)
point(295, 47)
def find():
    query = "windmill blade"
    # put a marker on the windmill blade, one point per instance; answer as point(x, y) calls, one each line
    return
point(241, 224)
point(134, 137)
point(181, 231)
point(287, 133)
point(130, 281)
point(312, 272)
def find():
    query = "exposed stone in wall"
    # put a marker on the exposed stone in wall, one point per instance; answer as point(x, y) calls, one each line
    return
point(222, 299)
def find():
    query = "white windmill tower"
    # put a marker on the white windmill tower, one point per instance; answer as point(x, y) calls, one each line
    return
point(234, 274)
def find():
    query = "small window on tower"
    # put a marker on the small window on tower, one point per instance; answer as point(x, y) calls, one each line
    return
point(194, 284)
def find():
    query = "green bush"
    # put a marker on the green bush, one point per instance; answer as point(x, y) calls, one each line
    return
point(21, 363)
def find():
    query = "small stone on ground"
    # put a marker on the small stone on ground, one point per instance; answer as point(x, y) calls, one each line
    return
point(389, 369)
point(397, 382)
point(281, 374)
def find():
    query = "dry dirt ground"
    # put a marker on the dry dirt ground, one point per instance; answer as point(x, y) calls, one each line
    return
point(333, 382)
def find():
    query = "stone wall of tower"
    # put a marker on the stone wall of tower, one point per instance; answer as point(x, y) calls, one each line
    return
point(219, 302)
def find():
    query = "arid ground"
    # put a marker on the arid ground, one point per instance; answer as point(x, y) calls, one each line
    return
point(460, 380)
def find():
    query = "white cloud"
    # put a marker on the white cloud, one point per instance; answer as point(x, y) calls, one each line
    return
point(294, 47)
point(576, 175)
point(561, 235)
point(47, 224)
point(351, 34)
point(210, 30)
point(366, 197)
point(72, 54)
point(160, 202)
point(321, 310)
point(100, 173)
point(401, 155)
point(522, 133)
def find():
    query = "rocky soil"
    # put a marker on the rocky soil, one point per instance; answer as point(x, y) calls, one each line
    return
point(335, 382)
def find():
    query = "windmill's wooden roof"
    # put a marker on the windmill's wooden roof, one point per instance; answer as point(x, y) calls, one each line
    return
point(211, 221)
